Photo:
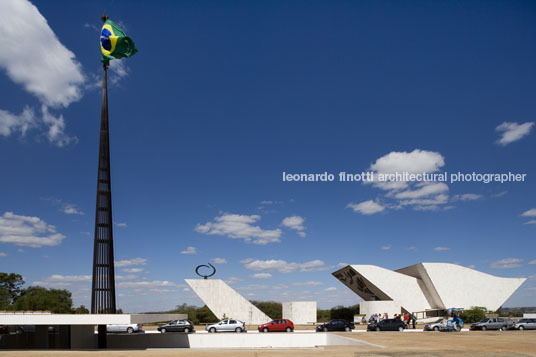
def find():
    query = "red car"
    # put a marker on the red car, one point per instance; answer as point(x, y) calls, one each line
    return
point(277, 325)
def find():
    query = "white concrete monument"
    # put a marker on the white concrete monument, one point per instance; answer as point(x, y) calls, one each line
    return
point(429, 286)
point(223, 300)
point(300, 312)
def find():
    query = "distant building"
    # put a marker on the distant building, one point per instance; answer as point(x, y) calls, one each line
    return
point(426, 289)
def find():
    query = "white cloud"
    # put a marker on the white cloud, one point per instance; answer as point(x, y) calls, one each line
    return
point(72, 209)
point(386, 247)
point(507, 263)
point(2, 254)
point(219, 261)
point(285, 267)
point(129, 262)
point(261, 276)
point(126, 277)
point(441, 249)
point(34, 58)
point(307, 283)
point(529, 213)
point(189, 250)
point(69, 278)
point(296, 223)
point(10, 123)
point(233, 279)
point(424, 190)
point(466, 197)
point(240, 227)
point(146, 284)
point(532, 262)
point(132, 270)
point(415, 162)
point(513, 131)
point(121, 224)
point(366, 207)
point(532, 221)
point(420, 195)
point(65, 207)
point(332, 288)
point(28, 231)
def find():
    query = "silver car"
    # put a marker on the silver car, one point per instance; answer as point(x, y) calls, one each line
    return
point(227, 326)
point(434, 326)
point(525, 324)
point(128, 328)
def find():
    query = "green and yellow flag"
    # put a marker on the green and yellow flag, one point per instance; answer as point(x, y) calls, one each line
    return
point(114, 43)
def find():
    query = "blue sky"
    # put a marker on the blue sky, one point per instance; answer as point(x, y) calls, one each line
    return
point(222, 98)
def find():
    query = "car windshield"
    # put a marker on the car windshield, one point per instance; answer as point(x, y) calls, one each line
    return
point(438, 321)
point(483, 320)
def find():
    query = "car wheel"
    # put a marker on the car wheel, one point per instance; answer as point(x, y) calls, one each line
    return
point(484, 328)
point(19, 330)
point(378, 329)
point(458, 328)
point(130, 330)
point(289, 329)
point(238, 329)
point(436, 328)
point(521, 328)
point(163, 330)
point(212, 329)
point(265, 329)
point(325, 329)
point(347, 329)
point(186, 330)
point(400, 328)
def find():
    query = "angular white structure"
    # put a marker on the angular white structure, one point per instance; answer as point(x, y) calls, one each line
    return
point(223, 300)
point(300, 312)
point(429, 286)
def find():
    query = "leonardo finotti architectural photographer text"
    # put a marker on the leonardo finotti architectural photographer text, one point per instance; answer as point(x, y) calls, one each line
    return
point(370, 176)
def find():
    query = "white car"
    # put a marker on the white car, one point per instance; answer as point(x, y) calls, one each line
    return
point(128, 328)
point(227, 326)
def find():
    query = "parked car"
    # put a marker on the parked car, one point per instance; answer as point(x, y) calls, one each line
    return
point(31, 329)
point(525, 324)
point(227, 326)
point(336, 325)
point(277, 325)
point(4, 330)
point(185, 326)
point(434, 326)
point(490, 324)
point(387, 325)
point(128, 328)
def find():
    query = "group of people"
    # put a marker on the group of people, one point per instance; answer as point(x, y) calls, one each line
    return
point(409, 319)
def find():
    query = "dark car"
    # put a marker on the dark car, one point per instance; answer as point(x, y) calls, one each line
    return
point(387, 325)
point(185, 326)
point(336, 325)
point(31, 329)
point(490, 324)
point(277, 325)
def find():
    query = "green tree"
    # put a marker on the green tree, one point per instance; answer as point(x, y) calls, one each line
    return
point(12, 283)
point(5, 299)
point(81, 310)
point(270, 308)
point(36, 298)
point(473, 314)
point(344, 312)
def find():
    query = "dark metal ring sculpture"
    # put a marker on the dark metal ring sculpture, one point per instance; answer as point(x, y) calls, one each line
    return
point(206, 266)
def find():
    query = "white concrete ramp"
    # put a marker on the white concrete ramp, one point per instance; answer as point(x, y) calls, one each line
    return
point(223, 300)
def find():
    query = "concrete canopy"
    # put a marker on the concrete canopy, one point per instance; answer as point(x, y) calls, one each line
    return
point(427, 286)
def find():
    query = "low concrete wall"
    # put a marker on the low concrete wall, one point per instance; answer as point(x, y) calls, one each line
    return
point(228, 340)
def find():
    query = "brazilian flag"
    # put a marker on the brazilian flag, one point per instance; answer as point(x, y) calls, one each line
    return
point(114, 43)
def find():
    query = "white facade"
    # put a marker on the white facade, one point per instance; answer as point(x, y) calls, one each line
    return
point(223, 300)
point(429, 286)
point(369, 308)
point(300, 312)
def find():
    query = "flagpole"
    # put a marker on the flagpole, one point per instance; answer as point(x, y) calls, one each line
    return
point(103, 285)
